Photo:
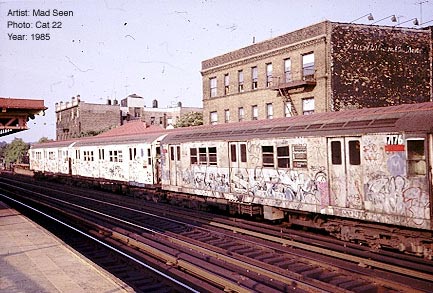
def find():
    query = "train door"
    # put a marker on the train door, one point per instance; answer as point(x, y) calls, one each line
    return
point(238, 165)
point(174, 164)
point(345, 172)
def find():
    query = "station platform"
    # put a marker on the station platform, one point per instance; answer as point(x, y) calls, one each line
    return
point(34, 260)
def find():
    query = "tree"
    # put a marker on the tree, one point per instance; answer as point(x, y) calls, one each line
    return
point(190, 119)
point(16, 151)
point(44, 139)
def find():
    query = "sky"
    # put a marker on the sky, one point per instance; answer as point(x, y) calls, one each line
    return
point(108, 49)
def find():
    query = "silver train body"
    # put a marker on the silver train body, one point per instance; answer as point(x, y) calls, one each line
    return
point(372, 165)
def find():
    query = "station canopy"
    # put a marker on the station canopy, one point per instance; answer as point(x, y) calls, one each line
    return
point(15, 113)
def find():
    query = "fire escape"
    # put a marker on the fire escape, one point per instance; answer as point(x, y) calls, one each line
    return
point(289, 86)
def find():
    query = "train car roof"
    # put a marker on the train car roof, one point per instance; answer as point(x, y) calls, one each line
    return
point(401, 118)
point(133, 132)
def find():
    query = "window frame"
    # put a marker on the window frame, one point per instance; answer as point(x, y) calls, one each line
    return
point(268, 156)
point(213, 87)
point(411, 160)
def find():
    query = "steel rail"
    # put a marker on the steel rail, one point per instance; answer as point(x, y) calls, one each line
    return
point(162, 274)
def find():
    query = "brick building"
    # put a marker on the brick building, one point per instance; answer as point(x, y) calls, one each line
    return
point(133, 107)
point(327, 66)
point(78, 118)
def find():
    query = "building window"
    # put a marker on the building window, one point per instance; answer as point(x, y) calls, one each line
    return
point(268, 156)
point(416, 157)
point(288, 109)
point(226, 116)
point(268, 74)
point(213, 118)
point(149, 158)
point(255, 112)
point(269, 111)
point(152, 120)
point(240, 81)
point(226, 84)
point(241, 114)
point(213, 87)
point(255, 77)
point(283, 157)
point(308, 66)
point(308, 106)
point(288, 70)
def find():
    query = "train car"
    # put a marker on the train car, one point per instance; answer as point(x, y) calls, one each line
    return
point(120, 156)
point(369, 165)
point(51, 157)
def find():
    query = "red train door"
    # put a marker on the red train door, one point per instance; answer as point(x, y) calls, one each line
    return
point(345, 172)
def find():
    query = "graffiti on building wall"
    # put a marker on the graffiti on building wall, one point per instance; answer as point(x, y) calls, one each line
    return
point(386, 66)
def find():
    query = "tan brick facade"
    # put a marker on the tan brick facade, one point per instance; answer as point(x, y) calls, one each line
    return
point(77, 118)
point(336, 71)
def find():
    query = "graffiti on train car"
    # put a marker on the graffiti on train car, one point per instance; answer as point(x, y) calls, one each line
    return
point(206, 178)
point(387, 188)
point(309, 186)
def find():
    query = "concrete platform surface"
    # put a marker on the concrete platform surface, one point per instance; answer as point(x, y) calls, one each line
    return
point(34, 260)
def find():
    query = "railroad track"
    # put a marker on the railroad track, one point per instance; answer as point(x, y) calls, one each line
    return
point(242, 261)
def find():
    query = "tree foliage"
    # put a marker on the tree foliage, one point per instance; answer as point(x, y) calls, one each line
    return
point(190, 119)
point(44, 139)
point(16, 151)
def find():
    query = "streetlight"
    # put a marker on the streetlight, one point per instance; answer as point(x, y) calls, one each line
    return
point(393, 18)
point(370, 17)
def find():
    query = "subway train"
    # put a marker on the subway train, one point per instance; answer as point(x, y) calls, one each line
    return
point(360, 175)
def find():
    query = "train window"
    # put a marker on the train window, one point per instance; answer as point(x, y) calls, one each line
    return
point(354, 152)
point(116, 156)
point(243, 153)
point(172, 153)
point(193, 156)
point(101, 154)
point(268, 156)
point(178, 152)
point(416, 157)
point(132, 153)
point(283, 157)
point(88, 156)
point(202, 157)
point(336, 153)
point(212, 156)
point(233, 153)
